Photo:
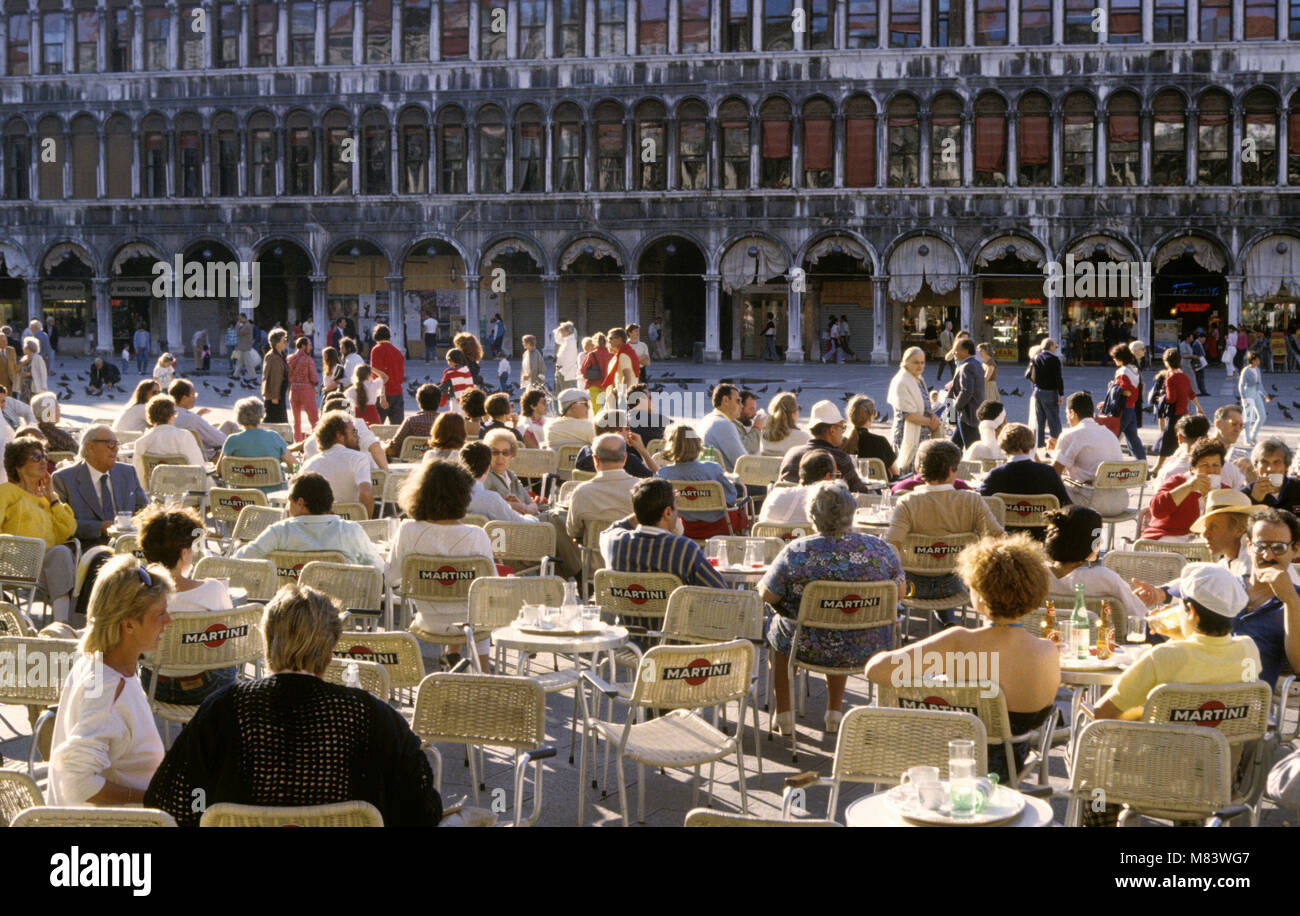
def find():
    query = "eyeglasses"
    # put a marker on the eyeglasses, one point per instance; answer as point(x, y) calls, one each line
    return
point(111, 443)
point(35, 456)
point(1273, 547)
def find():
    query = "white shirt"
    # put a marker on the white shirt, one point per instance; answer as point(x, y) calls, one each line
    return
point(6, 436)
point(133, 419)
point(374, 390)
point(345, 469)
point(785, 506)
point(428, 539)
point(167, 439)
point(210, 595)
point(350, 366)
point(101, 735)
point(212, 437)
point(795, 438)
point(1081, 448)
point(367, 438)
point(431, 325)
point(94, 485)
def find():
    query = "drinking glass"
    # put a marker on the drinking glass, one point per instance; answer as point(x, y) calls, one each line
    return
point(590, 616)
point(123, 520)
point(1136, 629)
point(715, 552)
point(961, 777)
point(754, 553)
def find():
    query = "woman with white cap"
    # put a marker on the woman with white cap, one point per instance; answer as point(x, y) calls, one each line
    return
point(914, 420)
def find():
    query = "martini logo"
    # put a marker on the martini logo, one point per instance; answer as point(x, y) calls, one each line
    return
point(215, 636)
point(849, 604)
point(1026, 508)
point(697, 672)
point(231, 502)
point(933, 702)
point(937, 549)
point(446, 575)
point(248, 470)
point(289, 572)
point(692, 493)
point(639, 594)
point(1123, 474)
point(1209, 714)
point(367, 654)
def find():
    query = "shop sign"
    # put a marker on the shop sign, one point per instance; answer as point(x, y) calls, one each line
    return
point(64, 289)
point(128, 288)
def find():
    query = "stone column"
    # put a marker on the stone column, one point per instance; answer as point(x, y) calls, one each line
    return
point(354, 131)
point(394, 179)
point(1099, 122)
point(923, 146)
point(967, 285)
point(210, 12)
point(631, 299)
point(1054, 317)
point(1148, 23)
point(1013, 147)
point(793, 325)
point(103, 315)
point(358, 34)
point(67, 160)
point(1058, 22)
point(550, 313)
point(1234, 300)
point(435, 31)
point(674, 26)
point(1238, 21)
point(175, 341)
point(882, 151)
point(322, 30)
point(69, 38)
point(169, 162)
point(969, 21)
point(589, 28)
point(397, 311)
point(282, 35)
point(319, 311)
point(1235, 132)
point(755, 143)
point(395, 37)
point(672, 180)
point(1193, 27)
point(549, 49)
point(796, 150)
point(474, 29)
point(173, 36)
point(1283, 144)
point(137, 36)
point(244, 26)
point(879, 321)
point(967, 149)
point(4, 42)
point(135, 161)
point(548, 152)
point(101, 167)
point(1057, 127)
point(1189, 137)
point(1013, 23)
point(711, 352)
point(590, 159)
point(471, 302)
point(755, 24)
point(34, 298)
point(629, 27)
point(281, 134)
point(839, 143)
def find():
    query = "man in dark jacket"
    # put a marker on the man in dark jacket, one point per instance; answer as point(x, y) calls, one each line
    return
point(967, 393)
point(1049, 389)
point(1022, 475)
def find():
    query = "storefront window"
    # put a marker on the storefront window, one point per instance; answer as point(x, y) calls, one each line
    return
point(1091, 326)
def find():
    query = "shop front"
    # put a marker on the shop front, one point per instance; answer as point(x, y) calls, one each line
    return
point(924, 276)
point(1272, 271)
point(1013, 316)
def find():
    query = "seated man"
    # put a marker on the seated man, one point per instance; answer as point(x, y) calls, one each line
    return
point(477, 459)
point(418, 424)
point(367, 441)
point(1080, 451)
point(97, 487)
point(340, 461)
point(15, 411)
point(1273, 487)
point(1022, 475)
point(573, 427)
point(992, 417)
point(185, 396)
point(639, 463)
point(608, 495)
point(311, 525)
point(826, 424)
point(938, 509)
point(650, 540)
point(164, 437)
point(785, 505)
point(718, 428)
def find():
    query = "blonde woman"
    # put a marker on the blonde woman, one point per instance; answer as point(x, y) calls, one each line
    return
point(782, 432)
point(985, 353)
point(165, 371)
point(862, 442)
point(914, 420)
point(105, 745)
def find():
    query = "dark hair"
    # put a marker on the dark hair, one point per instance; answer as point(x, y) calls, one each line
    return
point(988, 410)
point(650, 497)
point(936, 459)
point(164, 533)
point(347, 345)
point(1016, 439)
point(1274, 516)
point(17, 452)
point(1173, 359)
point(439, 491)
point(333, 428)
point(1072, 533)
point(427, 396)
point(722, 391)
point(1192, 427)
point(180, 389)
point(530, 399)
point(1209, 622)
point(474, 403)
point(141, 394)
point(497, 405)
point(381, 332)
point(1122, 353)
point(1081, 403)
point(302, 343)
point(1204, 448)
point(360, 376)
point(329, 358)
point(965, 345)
point(315, 491)
point(746, 394)
point(448, 431)
point(477, 457)
point(455, 357)
point(815, 465)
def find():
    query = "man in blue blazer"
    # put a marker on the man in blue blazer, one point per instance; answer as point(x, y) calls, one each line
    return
point(98, 488)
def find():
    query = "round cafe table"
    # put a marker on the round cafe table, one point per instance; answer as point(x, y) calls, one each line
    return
point(605, 640)
point(875, 811)
point(741, 576)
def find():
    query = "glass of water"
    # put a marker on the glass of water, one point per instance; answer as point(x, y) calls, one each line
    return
point(961, 777)
point(754, 553)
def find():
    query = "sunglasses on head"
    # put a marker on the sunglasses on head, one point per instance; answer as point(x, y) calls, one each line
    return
point(144, 576)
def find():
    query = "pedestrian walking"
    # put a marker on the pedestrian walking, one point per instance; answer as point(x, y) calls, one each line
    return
point(140, 346)
point(1044, 373)
point(302, 387)
point(275, 378)
point(567, 358)
point(430, 338)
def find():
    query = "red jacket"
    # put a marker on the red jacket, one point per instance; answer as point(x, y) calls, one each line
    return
point(389, 360)
point(1178, 392)
point(302, 370)
point(1169, 520)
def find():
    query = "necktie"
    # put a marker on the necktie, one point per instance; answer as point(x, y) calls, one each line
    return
point(106, 496)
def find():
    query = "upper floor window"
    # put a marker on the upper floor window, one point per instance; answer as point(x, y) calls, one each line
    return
point(378, 46)
point(530, 151)
point(609, 147)
point(1170, 21)
point(1123, 166)
point(945, 141)
point(651, 150)
point(1213, 138)
point(491, 151)
point(454, 15)
point(990, 22)
point(87, 58)
point(1261, 20)
point(413, 152)
point(338, 45)
point(864, 24)
point(117, 157)
point(1035, 22)
point(453, 151)
point(1079, 141)
point(948, 23)
point(153, 157)
point(904, 140)
point(225, 47)
point(774, 155)
point(225, 157)
point(119, 40)
point(156, 24)
point(733, 121)
point(532, 28)
point(191, 38)
point(1216, 20)
point(17, 158)
point(569, 148)
point(652, 27)
point(1259, 151)
point(694, 26)
point(778, 26)
point(818, 144)
point(338, 171)
point(1169, 139)
point(300, 166)
point(1125, 25)
point(693, 146)
point(990, 141)
point(821, 26)
point(52, 36)
point(735, 27)
point(261, 155)
point(415, 30)
point(1034, 141)
point(375, 149)
point(611, 28)
point(262, 47)
point(20, 34)
point(1079, 22)
point(859, 143)
point(302, 33)
point(1293, 141)
point(492, 25)
point(905, 23)
point(189, 156)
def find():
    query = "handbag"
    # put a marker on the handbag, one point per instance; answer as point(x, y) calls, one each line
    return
point(592, 373)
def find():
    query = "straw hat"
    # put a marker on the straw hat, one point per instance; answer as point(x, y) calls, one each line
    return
point(1221, 502)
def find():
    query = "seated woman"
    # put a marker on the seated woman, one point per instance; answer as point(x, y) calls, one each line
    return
point(500, 478)
point(30, 507)
point(447, 438)
point(782, 431)
point(167, 539)
point(45, 406)
point(254, 441)
point(682, 447)
point(533, 417)
point(473, 404)
point(501, 415)
point(134, 418)
point(435, 499)
point(105, 744)
point(838, 553)
point(862, 442)
point(1073, 537)
point(991, 416)
point(1007, 578)
point(366, 392)
point(1180, 499)
point(294, 738)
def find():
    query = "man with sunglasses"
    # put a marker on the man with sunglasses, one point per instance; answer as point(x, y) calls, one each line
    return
point(98, 488)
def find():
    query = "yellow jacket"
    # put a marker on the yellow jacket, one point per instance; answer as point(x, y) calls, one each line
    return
point(29, 516)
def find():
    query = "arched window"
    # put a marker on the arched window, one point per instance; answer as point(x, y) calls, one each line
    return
point(1169, 139)
point(374, 164)
point(301, 163)
point(1170, 21)
point(990, 22)
point(117, 162)
point(1079, 141)
point(1293, 141)
point(904, 133)
point(990, 141)
point(85, 158)
point(1259, 153)
point(1216, 20)
point(694, 26)
point(864, 24)
point(261, 155)
point(302, 33)
point(452, 151)
point(1124, 25)
point(225, 157)
point(491, 150)
point(153, 157)
point(530, 153)
point(778, 25)
point(818, 144)
point(190, 54)
point(17, 153)
point(1035, 22)
point(338, 174)
point(189, 156)
point(651, 150)
point(905, 23)
point(454, 29)
point(945, 141)
point(378, 48)
point(532, 28)
point(1123, 147)
point(1034, 141)
point(860, 142)
point(609, 147)
point(569, 147)
point(1213, 138)
point(652, 27)
point(338, 43)
point(611, 28)
point(736, 34)
point(413, 150)
point(692, 146)
point(734, 122)
point(948, 23)
point(492, 25)
point(774, 154)
point(569, 28)
point(415, 30)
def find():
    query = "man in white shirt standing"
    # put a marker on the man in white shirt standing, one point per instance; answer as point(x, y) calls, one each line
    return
point(1079, 451)
point(430, 338)
point(340, 462)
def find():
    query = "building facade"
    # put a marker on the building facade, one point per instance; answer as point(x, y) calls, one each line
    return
point(890, 163)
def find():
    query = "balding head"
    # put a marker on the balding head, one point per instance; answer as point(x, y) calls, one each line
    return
point(609, 452)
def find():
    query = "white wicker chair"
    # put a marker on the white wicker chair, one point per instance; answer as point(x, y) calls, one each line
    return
point(87, 816)
point(256, 577)
point(32, 653)
point(18, 792)
point(342, 814)
point(526, 547)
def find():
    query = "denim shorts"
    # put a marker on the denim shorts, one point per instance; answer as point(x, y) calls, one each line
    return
point(188, 691)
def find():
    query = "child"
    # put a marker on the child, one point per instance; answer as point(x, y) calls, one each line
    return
point(503, 373)
point(532, 368)
point(126, 359)
point(456, 379)
point(205, 358)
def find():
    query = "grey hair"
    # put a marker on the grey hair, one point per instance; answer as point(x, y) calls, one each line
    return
point(249, 411)
point(908, 354)
point(830, 506)
point(1049, 344)
point(31, 345)
point(610, 449)
point(44, 405)
point(91, 432)
point(1269, 445)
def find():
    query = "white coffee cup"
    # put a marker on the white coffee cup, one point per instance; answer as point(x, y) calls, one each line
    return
point(123, 520)
point(1215, 480)
point(1276, 480)
point(531, 614)
point(929, 791)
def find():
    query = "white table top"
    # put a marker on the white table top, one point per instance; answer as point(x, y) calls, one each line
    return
point(874, 811)
point(1103, 677)
point(606, 639)
point(734, 574)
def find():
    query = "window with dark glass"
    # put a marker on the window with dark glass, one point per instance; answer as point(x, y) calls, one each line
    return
point(1170, 21)
point(860, 143)
point(378, 46)
point(225, 158)
point(611, 28)
point(532, 28)
point(189, 157)
point(1259, 147)
point(1125, 25)
point(1293, 21)
point(1261, 20)
point(609, 148)
point(492, 24)
point(262, 51)
point(652, 27)
point(1034, 141)
point(774, 157)
point(1123, 149)
point(905, 23)
point(17, 161)
point(569, 37)
point(415, 30)
point(818, 144)
point(947, 23)
point(87, 41)
point(1079, 22)
point(153, 163)
point(1168, 139)
point(1213, 139)
point(338, 174)
point(302, 33)
point(85, 158)
point(778, 28)
point(530, 159)
point(651, 151)
point(491, 152)
point(119, 40)
point(301, 153)
point(1216, 20)
point(693, 147)
point(191, 49)
point(20, 34)
point(338, 39)
point(225, 47)
point(1035, 22)
point(821, 27)
point(453, 153)
point(53, 26)
point(1079, 142)
point(568, 148)
point(261, 161)
point(733, 120)
point(413, 153)
point(454, 24)
point(735, 26)
point(374, 165)
point(49, 174)
point(155, 38)
point(1293, 141)
point(990, 141)
point(945, 141)
point(904, 138)
point(864, 24)
point(990, 22)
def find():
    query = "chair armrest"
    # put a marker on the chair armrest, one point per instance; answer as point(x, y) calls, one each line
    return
point(542, 753)
point(796, 783)
point(1036, 791)
point(460, 666)
point(1225, 814)
point(600, 684)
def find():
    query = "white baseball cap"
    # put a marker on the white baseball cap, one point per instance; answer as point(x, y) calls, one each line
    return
point(1214, 588)
point(823, 412)
point(569, 397)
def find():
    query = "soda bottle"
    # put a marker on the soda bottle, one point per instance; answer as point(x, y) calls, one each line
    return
point(1049, 630)
point(1103, 632)
point(1079, 624)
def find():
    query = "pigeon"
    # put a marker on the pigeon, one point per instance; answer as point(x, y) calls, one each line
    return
point(1274, 387)
point(1016, 393)
point(1286, 413)
point(1295, 404)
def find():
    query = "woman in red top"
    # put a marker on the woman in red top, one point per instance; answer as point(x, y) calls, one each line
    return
point(1178, 502)
point(1129, 380)
point(1179, 393)
point(302, 387)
